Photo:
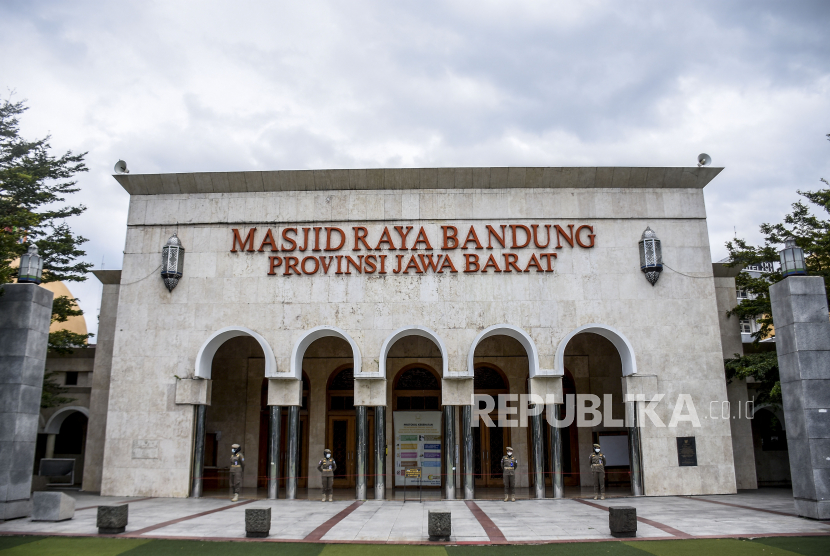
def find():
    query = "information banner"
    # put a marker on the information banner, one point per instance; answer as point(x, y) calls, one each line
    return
point(418, 444)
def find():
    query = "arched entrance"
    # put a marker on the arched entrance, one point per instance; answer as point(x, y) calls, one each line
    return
point(422, 431)
point(341, 428)
point(236, 363)
point(597, 367)
point(489, 443)
point(66, 432)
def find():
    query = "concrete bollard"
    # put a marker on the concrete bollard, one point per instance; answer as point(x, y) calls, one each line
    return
point(112, 520)
point(52, 506)
point(257, 522)
point(622, 520)
point(440, 526)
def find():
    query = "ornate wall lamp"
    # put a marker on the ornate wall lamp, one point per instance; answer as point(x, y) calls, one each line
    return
point(31, 267)
point(172, 262)
point(792, 259)
point(651, 256)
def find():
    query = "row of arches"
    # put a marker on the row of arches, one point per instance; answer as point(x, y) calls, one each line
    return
point(415, 386)
point(206, 353)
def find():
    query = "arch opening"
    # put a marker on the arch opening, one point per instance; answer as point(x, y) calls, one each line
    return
point(513, 332)
point(421, 331)
point(204, 359)
point(298, 352)
point(624, 348)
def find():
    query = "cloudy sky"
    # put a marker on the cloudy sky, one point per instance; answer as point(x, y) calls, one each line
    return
point(179, 86)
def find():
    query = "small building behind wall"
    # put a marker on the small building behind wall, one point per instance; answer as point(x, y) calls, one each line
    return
point(349, 278)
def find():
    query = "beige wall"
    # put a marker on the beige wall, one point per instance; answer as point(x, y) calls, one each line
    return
point(672, 327)
point(736, 391)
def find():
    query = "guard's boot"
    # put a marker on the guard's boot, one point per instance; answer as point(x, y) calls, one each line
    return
point(324, 497)
point(331, 498)
point(513, 498)
point(235, 497)
point(602, 497)
point(506, 497)
point(595, 496)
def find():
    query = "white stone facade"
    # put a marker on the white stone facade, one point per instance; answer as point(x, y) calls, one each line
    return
point(672, 328)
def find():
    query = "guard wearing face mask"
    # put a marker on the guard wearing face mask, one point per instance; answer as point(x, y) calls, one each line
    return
point(237, 461)
point(508, 467)
point(327, 466)
point(597, 461)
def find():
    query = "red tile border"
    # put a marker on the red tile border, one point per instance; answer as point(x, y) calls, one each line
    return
point(186, 518)
point(321, 531)
point(493, 532)
point(124, 502)
point(671, 530)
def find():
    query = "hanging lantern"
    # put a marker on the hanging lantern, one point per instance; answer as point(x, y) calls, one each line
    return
point(172, 262)
point(651, 256)
point(31, 267)
point(792, 259)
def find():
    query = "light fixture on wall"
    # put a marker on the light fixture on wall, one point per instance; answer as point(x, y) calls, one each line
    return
point(172, 262)
point(31, 267)
point(792, 259)
point(651, 256)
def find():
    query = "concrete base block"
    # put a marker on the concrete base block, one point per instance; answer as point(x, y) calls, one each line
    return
point(14, 509)
point(257, 522)
point(622, 520)
point(52, 506)
point(112, 520)
point(284, 392)
point(457, 391)
point(193, 392)
point(812, 508)
point(440, 526)
point(370, 392)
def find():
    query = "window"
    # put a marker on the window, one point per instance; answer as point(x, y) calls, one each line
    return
point(742, 294)
point(71, 378)
point(746, 327)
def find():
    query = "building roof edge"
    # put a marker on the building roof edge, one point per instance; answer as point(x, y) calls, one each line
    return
point(613, 177)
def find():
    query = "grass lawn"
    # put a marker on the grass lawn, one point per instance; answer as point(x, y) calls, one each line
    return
point(83, 546)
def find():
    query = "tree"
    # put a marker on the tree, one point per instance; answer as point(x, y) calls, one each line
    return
point(33, 209)
point(812, 234)
point(52, 392)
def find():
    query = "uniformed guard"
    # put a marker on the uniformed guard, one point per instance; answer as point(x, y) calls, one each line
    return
point(597, 461)
point(237, 461)
point(508, 467)
point(327, 466)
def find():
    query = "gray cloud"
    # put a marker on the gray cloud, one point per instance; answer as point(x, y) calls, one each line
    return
point(204, 86)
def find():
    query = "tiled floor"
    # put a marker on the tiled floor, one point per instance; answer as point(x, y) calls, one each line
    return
point(398, 521)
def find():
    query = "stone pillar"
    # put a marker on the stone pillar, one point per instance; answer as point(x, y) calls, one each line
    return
point(50, 445)
point(380, 452)
point(292, 460)
point(284, 392)
point(273, 458)
point(361, 424)
point(468, 479)
point(26, 311)
point(557, 478)
point(370, 392)
point(802, 339)
point(100, 394)
point(634, 452)
point(537, 449)
point(199, 452)
point(449, 452)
